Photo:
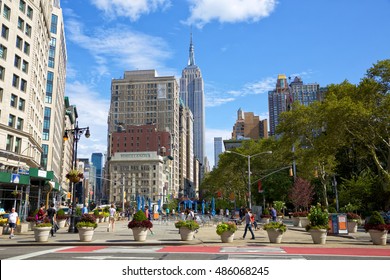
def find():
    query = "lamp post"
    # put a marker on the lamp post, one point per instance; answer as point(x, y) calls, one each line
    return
point(76, 133)
point(249, 171)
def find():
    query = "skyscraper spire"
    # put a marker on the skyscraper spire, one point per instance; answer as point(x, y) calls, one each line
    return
point(191, 58)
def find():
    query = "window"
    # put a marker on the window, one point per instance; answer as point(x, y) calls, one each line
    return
point(2, 73)
point(19, 124)
point(28, 30)
point(17, 61)
point(23, 85)
point(6, 12)
point(4, 32)
point(29, 12)
point(22, 6)
point(10, 143)
point(1, 97)
point(11, 120)
point(22, 103)
point(25, 66)
point(54, 20)
point(21, 24)
point(3, 52)
point(15, 81)
point(26, 48)
point(18, 145)
point(19, 42)
point(14, 100)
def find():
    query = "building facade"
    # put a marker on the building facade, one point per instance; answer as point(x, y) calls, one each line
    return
point(192, 94)
point(142, 98)
point(217, 150)
point(249, 126)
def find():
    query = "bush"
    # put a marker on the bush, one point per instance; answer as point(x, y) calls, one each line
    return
point(140, 216)
point(275, 225)
point(190, 224)
point(376, 222)
point(318, 217)
point(140, 220)
point(87, 220)
point(226, 226)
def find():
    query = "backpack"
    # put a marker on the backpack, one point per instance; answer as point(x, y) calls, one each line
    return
point(252, 218)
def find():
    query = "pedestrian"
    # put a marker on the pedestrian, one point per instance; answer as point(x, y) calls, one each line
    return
point(85, 209)
point(253, 219)
point(51, 213)
point(111, 222)
point(273, 214)
point(41, 213)
point(248, 224)
point(227, 212)
point(149, 217)
point(13, 219)
point(242, 212)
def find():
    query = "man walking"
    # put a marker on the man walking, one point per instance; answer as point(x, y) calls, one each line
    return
point(248, 223)
point(12, 221)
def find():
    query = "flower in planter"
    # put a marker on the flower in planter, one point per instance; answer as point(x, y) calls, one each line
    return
point(226, 226)
point(87, 220)
point(376, 222)
point(45, 223)
point(140, 220)
point(300, 214)
point(275, 225)
point(353, 217)
point(318, 217)
point(190, 224)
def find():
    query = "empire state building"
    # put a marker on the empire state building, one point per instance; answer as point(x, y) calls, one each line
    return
point(192, 94)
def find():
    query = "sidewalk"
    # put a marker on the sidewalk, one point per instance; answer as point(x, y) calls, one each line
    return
point(166, 234)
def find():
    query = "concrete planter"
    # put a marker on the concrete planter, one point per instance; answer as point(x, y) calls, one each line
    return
point(186, 234)
point(61, 223)
point(352, 226)
point(274, 235)
point(140, 233)
point(296, 222)
point(86, 233)
point(304, 221)
point(41, 234)
point(378, 237)
point(227, 237)
point(318, 235)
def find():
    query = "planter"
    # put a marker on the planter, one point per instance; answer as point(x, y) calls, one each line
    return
point(378, 237)
point(86, 233)
point(61, 223)
point(274, 235)
point(186, 234)
point(1, 230)
point(279, 218)
point(264, 220)
point(74, 179)
point(105, 219)
point(140, 233)
point(296, 222)
point(22, 227)
point(352, 226)
point(31, 225)
point(227, 237)
point(304, 221)
point(41, 234)
point(318, 235)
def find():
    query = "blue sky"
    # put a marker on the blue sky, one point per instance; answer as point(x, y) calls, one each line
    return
point(240, 46)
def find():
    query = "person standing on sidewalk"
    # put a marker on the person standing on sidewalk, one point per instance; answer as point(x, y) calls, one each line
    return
point(112, 212)
point(51, 213)
point(12, 221)
point(248, 223)
point(273, 214)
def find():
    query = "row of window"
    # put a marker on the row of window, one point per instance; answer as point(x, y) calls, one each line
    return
point(22, 8)
point(13, 144)
point(15, 122)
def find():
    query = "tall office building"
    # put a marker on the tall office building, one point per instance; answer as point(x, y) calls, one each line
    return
point(305, 93)
point(217, 150)
point(249, 126)
point(192, 94)
point(278, 101)
point(97, 161)
point(139, 98)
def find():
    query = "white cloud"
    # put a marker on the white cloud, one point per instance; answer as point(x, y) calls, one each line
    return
point(229, 11)
point(120, 46)
point(92, 111)
point(132, 9)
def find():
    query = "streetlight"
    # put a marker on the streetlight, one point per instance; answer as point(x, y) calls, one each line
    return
point(76, 132)
point(249, 171)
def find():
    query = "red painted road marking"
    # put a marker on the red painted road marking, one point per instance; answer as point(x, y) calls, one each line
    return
point(81, 249)
point(189, 249)
point(337, 251)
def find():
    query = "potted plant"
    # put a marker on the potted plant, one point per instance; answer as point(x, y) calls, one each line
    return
point(32, 221)
point(187, 229)
point(98, 215)
point(3, 223)
point(319, 224)
point(74, 175)
point(86, 227)
point(265, 216)
point(42, 230)
point(377, 228)
point(16, 194)
point(61, 218)
point(300, 219)
point(279, 207)
point(275, 231)
point(140, 226)
point(106, 215)
point(353, 220)
point(226, 230)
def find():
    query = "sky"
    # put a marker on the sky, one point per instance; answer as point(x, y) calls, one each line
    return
point(240, 46)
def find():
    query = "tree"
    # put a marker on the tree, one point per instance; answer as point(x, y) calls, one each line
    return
point(301, 194)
